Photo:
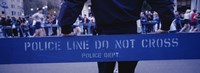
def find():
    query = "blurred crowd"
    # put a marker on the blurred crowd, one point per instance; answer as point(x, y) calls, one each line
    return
point(149, 22)
point(187, 21)
point(25, 26)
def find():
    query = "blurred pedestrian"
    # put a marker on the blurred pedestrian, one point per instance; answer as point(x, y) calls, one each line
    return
point(186, 26)
point(143, 20)
point(92, 26)
point(178, 21)
point(39, 19)
point(194, 21)
point(8, 23)
point(54, 23)
point(14, 27)
point(3, 23)
point(85, 24)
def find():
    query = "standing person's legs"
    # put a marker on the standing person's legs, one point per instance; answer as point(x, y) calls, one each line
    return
point(195, 28)
point(178, 26)
point(4, 32)
point(127, 66)
point(36, 34)
point(143, 28)
point(123, 66)
point(148, 28)
point(21, 31)
point(89, 28)
point(54, 29)
point(84, 29)
point(32, 30)
point(46, 31)
point(14, 31)
point(9, 32)
point(186, 25)
point(42, 32)
point(106, 67)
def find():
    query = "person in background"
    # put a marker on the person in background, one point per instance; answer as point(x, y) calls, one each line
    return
point(14, 27)
point(92, 25)
point(85, 22)
point(46, 22)
point(54, 29)
point(150, 23)
point(115, 17)
point(3, 23)
point(31, 26)
point(25, 29)
point(21, 22)
point(8, 23)
point(156, 20)
point(143, 20)
point(0, 20)
point(198, 19)
point(178, 21)
point(38, 18)
point(194, 21)
point(186, 21)
point(76, 30)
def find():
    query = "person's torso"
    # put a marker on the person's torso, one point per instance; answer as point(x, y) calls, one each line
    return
point(14, 22)
point(187, 16)
point(116, 16)
point(3, 22)
point(116, 11)
point(39, 17)
point(193, 17)
point(8, 22)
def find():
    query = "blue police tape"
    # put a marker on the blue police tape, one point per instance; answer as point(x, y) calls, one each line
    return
point(99, 48)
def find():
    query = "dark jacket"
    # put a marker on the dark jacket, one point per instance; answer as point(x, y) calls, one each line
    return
point(115, 15)
point(8, 22)
point(3, 22)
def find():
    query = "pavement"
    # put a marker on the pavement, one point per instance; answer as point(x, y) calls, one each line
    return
point(157, 66)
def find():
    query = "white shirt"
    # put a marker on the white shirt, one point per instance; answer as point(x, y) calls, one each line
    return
point(187, 16)
point(38, 17)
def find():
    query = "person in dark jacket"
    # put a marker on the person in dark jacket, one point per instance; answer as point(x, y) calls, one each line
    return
point(8, 23)
point(115, 17)
point(3, 23)
point(85, 22)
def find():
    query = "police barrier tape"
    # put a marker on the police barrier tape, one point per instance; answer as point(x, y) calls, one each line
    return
point(99, 48)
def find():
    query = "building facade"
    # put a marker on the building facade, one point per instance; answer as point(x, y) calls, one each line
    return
point(31, 6)
point(12, 8)
point(183, 5)
point(180, 5)
point(87, 8)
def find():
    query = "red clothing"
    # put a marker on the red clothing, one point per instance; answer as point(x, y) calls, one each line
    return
point(193, 19)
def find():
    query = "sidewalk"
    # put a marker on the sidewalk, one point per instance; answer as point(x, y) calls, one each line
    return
point(164, 66)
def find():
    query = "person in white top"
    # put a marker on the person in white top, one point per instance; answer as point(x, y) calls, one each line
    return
point(186, 20)
point(92, 25)
point(38, 19)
